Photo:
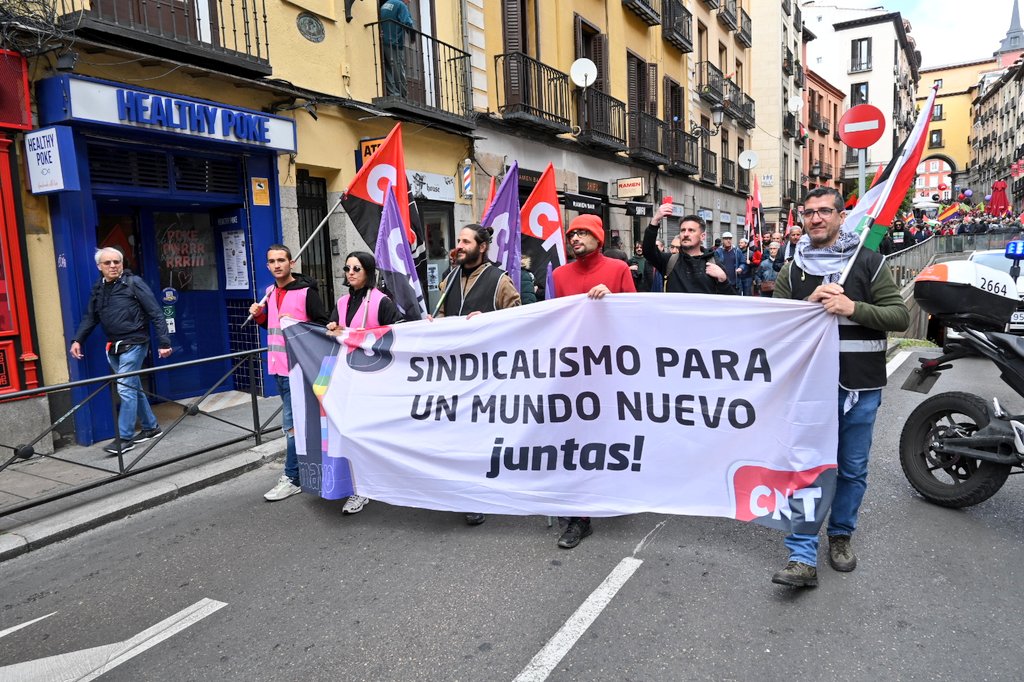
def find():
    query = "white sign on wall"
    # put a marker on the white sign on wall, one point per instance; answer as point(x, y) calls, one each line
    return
point(49, 154)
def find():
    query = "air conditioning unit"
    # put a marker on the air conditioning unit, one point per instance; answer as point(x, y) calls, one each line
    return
point(15, 112)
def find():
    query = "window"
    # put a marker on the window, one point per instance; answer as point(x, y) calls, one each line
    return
point(935, 138)
point(860, 55)
point(642, 89)
point(937, 114)
point(673, 103)
point(725, 144)
point(593, 45)
point(933, 167)
point(858, 94)
point(920, 182)
point(938, 81)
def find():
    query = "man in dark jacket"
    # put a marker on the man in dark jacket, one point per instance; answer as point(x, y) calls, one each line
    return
point(124, 306)
point(693, 270)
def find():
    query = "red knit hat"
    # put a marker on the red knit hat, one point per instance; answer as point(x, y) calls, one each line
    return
point(589, 223)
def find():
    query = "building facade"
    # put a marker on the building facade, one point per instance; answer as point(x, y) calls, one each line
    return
point(824, 153)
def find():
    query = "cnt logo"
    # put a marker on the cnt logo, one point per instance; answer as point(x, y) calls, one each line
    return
point(368, 350)
point(782, 499)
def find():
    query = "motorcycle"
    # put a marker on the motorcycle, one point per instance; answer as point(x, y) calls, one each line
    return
point(956, 449)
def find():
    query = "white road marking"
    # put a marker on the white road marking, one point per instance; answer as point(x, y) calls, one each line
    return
point(896, 361)
point(88, 664)
point(558, 646)
point(861, 125)
point(4, 633)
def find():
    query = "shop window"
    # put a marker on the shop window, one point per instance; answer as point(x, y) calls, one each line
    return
point(120, 231)
point(185, 247)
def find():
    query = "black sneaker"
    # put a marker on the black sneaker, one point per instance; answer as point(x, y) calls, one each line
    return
point(797, 574)
point(475, 519)
point(147, 434)
point(574, 533)
point(117, 445)
point(840, 554)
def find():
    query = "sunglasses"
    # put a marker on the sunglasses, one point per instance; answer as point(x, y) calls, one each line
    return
point(352, 268)
point(110, 262)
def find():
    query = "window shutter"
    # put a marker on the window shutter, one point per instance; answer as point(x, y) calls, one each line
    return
point(577, 36)
point(632, 83)
point(652, 89)
point(600, 46)
point(513, 24)
point(666, 101)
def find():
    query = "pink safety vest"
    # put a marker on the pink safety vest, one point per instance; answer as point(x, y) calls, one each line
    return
point(373, 299)
point(293, 304)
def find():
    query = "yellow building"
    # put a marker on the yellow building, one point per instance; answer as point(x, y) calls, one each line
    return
point(950, 130)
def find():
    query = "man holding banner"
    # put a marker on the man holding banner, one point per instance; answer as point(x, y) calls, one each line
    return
point(868, 306)
point(475, 285)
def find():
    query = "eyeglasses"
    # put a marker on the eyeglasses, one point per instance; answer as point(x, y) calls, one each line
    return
point(110, 262)
point(576, 233)
point(825, 213)
point(352, 268)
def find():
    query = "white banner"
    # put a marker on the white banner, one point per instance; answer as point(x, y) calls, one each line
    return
point(672, 403)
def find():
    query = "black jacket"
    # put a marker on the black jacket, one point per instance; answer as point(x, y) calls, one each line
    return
point(688, 276)
point(124, 308)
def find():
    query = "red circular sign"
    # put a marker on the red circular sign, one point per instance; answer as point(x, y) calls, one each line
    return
point(862, 126)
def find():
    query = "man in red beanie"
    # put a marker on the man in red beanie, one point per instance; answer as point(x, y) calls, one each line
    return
point(593, 274)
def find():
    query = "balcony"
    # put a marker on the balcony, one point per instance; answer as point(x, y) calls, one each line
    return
point(825, 125)
point(747, 118)
point(727, 15)
point(799, 79)
point(743, 181)
point(787, 61)
point(814, 120)
point(682, 152)
point(708, 166)
point(643, 9)
point(745, 34)
point(209, 33)
point(790, 126)
point(729, 173)
point(711, 4)
point(786, 7)
point(732, 99)
point(826, 171)
point(798, 19)
point(860, 65)
point(816, 169)
point(602, 120)
point(709, 82)
point(647, 138)
point(789, 192)
point(427, 78)
point(677, 25)
point(532, 94)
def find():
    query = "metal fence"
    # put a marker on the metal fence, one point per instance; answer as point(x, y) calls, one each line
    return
point(906, 264)
point(132, 463)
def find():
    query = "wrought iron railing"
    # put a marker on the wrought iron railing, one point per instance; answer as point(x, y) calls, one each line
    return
point(677, 25)
point(798, 76)
point(644, 9)
point(132, 463)
point(602, 119)
point(786, 7)
point(814, 120)
point(747, 106)
point(532, 92)
point(790, 124)
point(709, 82)
point(746, 31)
point(787, 61)
point(727, 14)
point(647, 137)
point(728, 173)
point(230, 33)
point(732, 99)
point(708, 165)
point(798, 18)
point(826, 171)
point(420, 74)
point(682, 151)
point(743, 180)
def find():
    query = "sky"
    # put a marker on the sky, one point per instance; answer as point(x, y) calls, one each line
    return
point(948, 31)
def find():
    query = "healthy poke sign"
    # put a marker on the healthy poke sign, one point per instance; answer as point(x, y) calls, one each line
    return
point(862, 126)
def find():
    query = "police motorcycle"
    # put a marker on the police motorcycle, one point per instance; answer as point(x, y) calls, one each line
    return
point(957, 449)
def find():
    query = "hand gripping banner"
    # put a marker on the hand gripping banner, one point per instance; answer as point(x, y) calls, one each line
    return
point(675, 403)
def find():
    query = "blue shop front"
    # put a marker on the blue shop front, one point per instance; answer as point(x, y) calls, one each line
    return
point(188, 190)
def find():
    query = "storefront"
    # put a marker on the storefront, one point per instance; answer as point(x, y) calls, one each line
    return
point(188, 190)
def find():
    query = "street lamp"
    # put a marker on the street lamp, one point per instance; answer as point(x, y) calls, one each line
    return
point(717, 115)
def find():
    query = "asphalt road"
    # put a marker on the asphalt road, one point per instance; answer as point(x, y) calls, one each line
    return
point(402, 594)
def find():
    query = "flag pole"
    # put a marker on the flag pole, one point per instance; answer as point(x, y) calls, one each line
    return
point(319, 227)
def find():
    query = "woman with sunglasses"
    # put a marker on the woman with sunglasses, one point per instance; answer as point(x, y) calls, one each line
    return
point(364, 307)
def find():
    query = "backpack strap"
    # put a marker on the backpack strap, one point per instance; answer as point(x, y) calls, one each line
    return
point(672, 260)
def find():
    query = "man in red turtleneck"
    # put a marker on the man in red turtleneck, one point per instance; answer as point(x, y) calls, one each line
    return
point(593, 274)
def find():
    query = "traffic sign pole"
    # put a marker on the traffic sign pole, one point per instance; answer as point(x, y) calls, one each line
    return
point(861, 163)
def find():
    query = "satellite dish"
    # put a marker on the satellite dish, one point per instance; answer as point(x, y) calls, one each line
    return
point(795, 103)
point(583, 72)
point(747, 159)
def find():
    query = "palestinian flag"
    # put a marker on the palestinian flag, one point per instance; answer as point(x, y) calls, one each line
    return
point(541, 220)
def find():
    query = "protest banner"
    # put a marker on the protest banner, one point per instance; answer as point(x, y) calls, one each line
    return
point(676, 403)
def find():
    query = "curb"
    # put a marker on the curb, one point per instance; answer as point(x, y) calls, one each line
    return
point(71, 522)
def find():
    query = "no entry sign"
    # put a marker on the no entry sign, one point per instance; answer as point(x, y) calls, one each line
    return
point(862, 126)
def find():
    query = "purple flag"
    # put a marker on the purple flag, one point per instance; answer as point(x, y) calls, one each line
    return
point(395, 264)
point(549, 283)
point(503, 216)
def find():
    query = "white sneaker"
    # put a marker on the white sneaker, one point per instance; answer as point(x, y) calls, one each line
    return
point(354, 504)
point(284, 488)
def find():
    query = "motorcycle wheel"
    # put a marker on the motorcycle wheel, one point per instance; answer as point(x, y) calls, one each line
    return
point(943, 479)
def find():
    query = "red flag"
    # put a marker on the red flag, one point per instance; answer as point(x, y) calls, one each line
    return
point(878, 174)
point(790, 222)
point(364, 197)
point(750, 218)
point(758, 224)
point(541, 220)
point(490, 196)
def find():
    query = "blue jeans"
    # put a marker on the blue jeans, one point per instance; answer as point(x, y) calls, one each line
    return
point(291, 460)
point(134, 403)
point(855, 430)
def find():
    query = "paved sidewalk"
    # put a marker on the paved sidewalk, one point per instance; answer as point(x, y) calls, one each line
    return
point(56, 520)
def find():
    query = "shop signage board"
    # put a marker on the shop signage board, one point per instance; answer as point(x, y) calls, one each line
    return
point(640, 210)
point(582, 204)
point(50, 155)
point(628, 188)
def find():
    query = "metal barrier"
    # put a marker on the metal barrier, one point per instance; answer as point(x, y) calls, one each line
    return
point(249, 360)
point(907, 263)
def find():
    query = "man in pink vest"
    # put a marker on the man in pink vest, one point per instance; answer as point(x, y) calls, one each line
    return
point(291, 295)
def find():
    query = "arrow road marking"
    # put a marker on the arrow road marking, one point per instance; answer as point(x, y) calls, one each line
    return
point(861, 125)
point(88, 664)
